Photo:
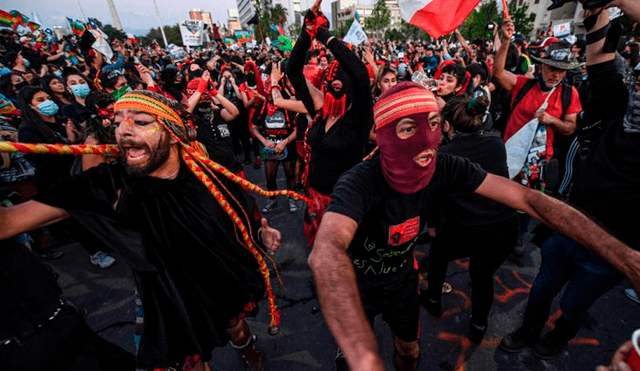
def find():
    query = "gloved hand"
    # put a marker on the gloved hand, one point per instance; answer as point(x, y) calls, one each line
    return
point(313, 22)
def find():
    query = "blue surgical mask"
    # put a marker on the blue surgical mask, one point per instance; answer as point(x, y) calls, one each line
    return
point(58, 74)
point(81, 90)
point(5, 71)
point(153, 74)
point(27, 63)
point(48, 108)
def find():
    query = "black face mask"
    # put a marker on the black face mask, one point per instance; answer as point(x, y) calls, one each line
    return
point(20, 85)
point(626, 55)
point(251, 79)
point(196, 74)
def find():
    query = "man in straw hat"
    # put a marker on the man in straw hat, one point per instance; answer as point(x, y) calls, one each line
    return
point(188, 234)
point(362, 258)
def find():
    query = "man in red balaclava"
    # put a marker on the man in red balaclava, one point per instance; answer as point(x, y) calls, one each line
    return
point(362, 258)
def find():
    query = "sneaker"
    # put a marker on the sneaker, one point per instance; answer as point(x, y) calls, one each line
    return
point(48, 254)
point(247, 161)
point(476, 333)
point(550, 346)
point(631, 294)
point(293, 207)
point(341, 362)
point(102, 260)
point(433, 307)
point(518, 340)
point(271, 204)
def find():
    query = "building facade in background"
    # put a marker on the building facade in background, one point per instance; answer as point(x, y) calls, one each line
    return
point(233, 20)
point(343, 12)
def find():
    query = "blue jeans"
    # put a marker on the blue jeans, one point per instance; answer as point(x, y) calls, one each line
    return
point(588, 277)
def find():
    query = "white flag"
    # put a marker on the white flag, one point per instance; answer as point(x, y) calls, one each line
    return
point(356, 35)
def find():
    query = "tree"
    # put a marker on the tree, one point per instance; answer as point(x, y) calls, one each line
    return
point(380, 17)
point(342, 29)
point(475, 26)
point(113, 32)
point(172, 33)
point(521, 20)
point(269, 14)
point(412, 32)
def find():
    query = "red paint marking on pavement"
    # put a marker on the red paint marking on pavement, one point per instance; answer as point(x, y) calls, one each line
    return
point(509, 292)
point(585, 341)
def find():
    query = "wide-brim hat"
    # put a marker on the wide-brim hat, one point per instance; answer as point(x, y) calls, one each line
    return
point(560, 58)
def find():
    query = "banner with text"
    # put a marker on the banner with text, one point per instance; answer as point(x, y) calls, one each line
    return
point(192, 32)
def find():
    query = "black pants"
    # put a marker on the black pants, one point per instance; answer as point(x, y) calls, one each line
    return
point(488, 246)
point(241, 137)
point(68, 344)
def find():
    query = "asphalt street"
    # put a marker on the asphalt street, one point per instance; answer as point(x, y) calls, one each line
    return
point(305, 342)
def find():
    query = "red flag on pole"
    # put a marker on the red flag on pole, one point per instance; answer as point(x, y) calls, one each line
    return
point(436, 17)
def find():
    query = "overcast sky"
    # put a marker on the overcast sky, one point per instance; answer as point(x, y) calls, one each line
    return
point(136, 16)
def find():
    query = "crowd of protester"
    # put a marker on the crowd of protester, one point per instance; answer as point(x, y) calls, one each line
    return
point(312, 111)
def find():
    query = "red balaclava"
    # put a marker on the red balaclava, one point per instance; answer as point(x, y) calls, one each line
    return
point(398, 156)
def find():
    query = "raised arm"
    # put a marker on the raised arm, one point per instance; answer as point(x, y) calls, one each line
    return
point(338, 293)
point(566, 220)
point(308, 96)
point(504, 77)
point(28, 216)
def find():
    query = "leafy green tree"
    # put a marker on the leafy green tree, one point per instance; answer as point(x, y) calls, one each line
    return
point(342, 29)
point(113, 32)
point(475, 26)
point(269, 14)
point(172, 33)
point(520, 17)
point(380, 17)
point(412, 32)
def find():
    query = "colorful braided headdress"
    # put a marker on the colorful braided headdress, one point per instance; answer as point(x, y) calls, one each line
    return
point(196, 160)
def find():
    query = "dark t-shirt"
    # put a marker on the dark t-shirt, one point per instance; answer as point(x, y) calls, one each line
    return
point(486, 150)
point(214, 133)
point(333, 152)
point(389, 222)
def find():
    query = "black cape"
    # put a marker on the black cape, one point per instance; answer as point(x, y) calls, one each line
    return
point(191, 272)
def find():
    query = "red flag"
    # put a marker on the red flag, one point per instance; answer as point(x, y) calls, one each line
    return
point(436, 17)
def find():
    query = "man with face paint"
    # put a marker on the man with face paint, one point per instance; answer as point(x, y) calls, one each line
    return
point(196, 279)
point(362, 259)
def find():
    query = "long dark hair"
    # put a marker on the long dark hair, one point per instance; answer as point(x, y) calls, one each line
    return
point(30, 117)
point(46, 80)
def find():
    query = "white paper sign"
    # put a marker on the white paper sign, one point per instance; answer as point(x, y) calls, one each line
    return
point(192, 31)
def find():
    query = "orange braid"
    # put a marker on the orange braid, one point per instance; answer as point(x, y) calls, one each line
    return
point(248, 243)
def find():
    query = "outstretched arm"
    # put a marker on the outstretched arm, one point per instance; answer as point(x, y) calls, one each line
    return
point(566, 220)
point(338, 292)
point(28, 216)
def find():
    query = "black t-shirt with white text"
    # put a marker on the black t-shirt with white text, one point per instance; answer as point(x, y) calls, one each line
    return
point(388, 221)
point(214, 133)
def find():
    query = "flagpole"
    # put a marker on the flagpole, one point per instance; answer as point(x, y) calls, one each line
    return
point(164, 37)
point(82, 11)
